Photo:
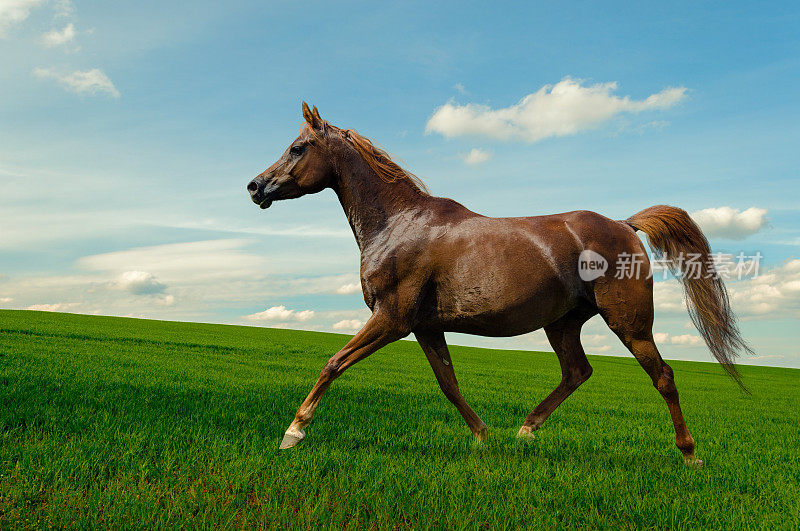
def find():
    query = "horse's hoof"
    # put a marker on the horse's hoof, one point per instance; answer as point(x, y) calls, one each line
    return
point(292, 438)
point(525, 433)
point(692, 462)
point(480, 437)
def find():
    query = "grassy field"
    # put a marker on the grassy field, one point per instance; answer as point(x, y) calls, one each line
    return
point(122, 422)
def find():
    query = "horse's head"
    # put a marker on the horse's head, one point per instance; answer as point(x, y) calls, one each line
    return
point(304, 168)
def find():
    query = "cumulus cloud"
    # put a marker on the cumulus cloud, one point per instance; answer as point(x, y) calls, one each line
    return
point(348, 325)
point(54, 307)
point(139, 283)
point(729, 223)
point(476, 156)
point(596, 342)
point(281, 314)
point(775, 291)
point(6, 300)
point(93, 82)
point(14, 11)
point(668, 297)
point(565, 108)
point(683, 339)
point(349, 288)
point(54, 38)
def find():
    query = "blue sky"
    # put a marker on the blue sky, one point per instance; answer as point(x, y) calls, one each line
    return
point(129, 130)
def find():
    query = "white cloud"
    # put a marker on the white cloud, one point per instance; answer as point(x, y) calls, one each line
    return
point(683, 339)
point(686, 339)
point(767, 357)
point(165, 300)
point(14, 11)
point(203, 261)
point(55, 307)
point(774, 292)
point(319, 230)
point(281, 314)
point(729, 223)
point(595, 339)
point(460, 88)
point(64, 8)
point(668, 296)
point(348, 325)
point(201, 278)
point(347, 289)
point(476, 156)
point(92, 81)
point(565, 108)
point(4, 300)
point(55, 37)
point(139, 283)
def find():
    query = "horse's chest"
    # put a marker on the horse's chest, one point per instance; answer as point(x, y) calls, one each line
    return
point(378, 277)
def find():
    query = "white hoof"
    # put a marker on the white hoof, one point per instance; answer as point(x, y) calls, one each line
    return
point(479, 438)
point(693, 462)
point(526, 433)
point(292, 438)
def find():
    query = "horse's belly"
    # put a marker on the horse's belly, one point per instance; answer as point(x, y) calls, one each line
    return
point(501, 306)
point(492, 325)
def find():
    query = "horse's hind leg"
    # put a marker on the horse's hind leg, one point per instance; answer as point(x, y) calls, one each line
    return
point(565, 338)
point(632, 322)
point(646, 353)
point(435, 348)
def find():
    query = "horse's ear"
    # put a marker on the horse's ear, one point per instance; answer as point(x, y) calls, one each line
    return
point(315, 113)
point(311, 119)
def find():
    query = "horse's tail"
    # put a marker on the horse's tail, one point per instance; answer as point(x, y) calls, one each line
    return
point(677, 239)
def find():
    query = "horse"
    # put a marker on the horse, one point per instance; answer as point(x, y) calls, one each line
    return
point(429, 265)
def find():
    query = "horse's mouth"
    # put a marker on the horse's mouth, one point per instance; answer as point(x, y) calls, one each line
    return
point(265, 203)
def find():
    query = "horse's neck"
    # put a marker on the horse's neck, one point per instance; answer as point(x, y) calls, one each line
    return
point(368, 201)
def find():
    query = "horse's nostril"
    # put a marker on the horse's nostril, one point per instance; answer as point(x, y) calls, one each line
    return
point(252, 186)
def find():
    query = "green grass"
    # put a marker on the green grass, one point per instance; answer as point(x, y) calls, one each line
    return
point(119, 422)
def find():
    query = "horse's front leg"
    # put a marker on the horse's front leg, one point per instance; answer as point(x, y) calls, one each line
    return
point(379, 331)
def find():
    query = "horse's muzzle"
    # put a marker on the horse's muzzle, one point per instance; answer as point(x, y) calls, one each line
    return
point(258, 195)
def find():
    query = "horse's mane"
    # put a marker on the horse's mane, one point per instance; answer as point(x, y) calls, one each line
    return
point(377, 159)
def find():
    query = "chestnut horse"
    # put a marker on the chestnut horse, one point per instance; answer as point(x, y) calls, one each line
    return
point(429, 266)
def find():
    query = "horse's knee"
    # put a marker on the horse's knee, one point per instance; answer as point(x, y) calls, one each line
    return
point(665, 383)
point(331, 370)
point(578, 375)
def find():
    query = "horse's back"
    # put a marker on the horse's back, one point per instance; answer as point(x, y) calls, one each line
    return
point(594, 231)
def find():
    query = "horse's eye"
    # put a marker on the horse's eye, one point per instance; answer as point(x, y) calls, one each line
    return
point(297, 150)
